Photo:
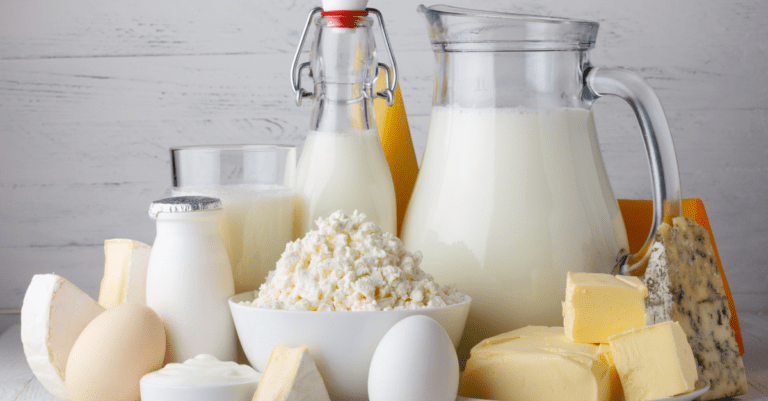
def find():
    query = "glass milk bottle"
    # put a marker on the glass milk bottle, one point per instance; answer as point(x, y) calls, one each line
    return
point(342, 165)
point(189, 278)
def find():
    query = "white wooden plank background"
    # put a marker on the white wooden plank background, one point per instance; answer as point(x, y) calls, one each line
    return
point(93, 93)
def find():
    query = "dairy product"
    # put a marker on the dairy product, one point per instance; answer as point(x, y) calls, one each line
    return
point(53, 315)
point(654, 362)
point(349, 264)
point(291, 375)
point(189, 280)
point(506, 202)
point(201, 378)
point(113, 352)
point(347, 172)
point(685, 286)
point(539, 363)
point(125, 272)
point(256, 225)
point(600, 305)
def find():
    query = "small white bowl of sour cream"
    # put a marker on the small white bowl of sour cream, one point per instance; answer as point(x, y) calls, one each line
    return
point(202, 378)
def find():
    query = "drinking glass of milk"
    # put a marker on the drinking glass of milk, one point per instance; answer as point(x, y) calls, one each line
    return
point(256, 186)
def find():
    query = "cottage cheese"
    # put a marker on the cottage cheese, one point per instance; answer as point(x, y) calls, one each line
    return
point(351, 265)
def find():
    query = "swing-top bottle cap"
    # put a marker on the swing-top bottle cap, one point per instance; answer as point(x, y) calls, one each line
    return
point(344, 5)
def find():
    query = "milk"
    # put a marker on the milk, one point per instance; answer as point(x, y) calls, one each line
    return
point(256, 225)
point(507, 201)
point(347, 172)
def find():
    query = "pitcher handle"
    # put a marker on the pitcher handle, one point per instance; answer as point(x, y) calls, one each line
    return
point(600, 81)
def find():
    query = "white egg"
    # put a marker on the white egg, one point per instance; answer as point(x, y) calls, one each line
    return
point(415, 361)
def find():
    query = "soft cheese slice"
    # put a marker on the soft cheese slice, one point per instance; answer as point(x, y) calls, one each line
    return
point(53, 314)
point(539, 363)
point(654, 362)
point(684, 285)
point(125, 272)
point(598, 306)
point(291, 375)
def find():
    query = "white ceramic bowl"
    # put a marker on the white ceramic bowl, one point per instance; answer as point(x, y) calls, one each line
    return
point(199, 392)
point(341, 343)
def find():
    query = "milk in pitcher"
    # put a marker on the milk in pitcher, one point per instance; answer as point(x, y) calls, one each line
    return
point(501, 195)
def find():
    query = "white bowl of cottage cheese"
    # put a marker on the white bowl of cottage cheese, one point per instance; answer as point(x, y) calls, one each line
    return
point(338, 290)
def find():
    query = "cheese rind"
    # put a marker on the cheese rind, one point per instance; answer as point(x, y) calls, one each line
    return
point(598, 306)
point(291, 375)
point(125, 272)
point(53, 314)
point(654, 362)
point(685, 286)
point(539, 363)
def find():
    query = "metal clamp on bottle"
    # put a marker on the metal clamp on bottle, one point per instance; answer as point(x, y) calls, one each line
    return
point(389, 72)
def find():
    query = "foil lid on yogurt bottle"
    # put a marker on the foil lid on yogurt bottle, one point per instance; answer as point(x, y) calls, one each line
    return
point(181, 204)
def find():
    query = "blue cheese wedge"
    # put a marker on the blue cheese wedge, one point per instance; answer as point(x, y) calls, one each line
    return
point(684, 285)
point(53, 315)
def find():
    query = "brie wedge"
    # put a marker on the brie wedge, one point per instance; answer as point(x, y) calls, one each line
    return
point(53, 314)
point(291, 375)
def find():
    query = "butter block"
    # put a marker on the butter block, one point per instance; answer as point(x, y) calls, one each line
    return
point(125, 272)
point(53, 314)
point(291, 375)
point(540, 363)
point(654, 362)
point(598, 306)
point(684, 285)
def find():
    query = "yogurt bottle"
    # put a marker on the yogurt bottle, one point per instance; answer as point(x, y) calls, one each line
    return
point(189, 278)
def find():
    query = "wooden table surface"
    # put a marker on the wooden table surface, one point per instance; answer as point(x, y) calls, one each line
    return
point(18, 383)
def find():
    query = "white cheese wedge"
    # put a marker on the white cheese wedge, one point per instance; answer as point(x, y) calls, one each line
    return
point(53, 314)
point(125, 272)
point(291, 375)
point(684, 285)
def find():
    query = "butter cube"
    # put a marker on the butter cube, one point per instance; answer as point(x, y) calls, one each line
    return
point(598, 306)
point(654, 362)
point(540, 363)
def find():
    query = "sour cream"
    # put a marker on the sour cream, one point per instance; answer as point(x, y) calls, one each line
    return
point(202, 378)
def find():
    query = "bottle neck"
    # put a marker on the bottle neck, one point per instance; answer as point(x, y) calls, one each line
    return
point(343, 67)
point(343, 108)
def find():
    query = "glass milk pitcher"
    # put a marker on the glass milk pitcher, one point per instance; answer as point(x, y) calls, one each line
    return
point(512, 192)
